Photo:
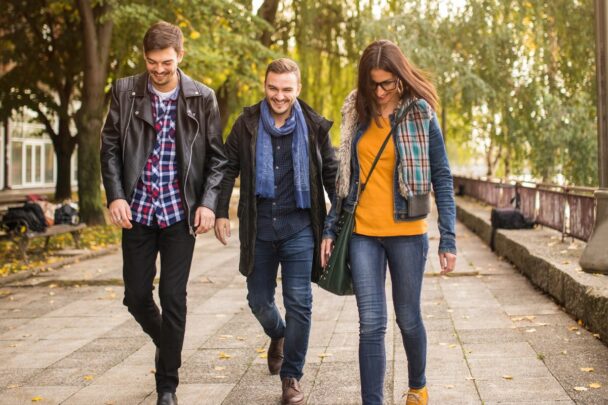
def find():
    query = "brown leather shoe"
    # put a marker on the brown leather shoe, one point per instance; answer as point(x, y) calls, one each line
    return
point(292, 392)
point(275, 355)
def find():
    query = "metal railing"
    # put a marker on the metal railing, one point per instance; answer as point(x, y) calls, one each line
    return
point(570, 210)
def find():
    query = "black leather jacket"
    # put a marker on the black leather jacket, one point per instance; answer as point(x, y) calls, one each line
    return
point(240, 150)
point(128, 138)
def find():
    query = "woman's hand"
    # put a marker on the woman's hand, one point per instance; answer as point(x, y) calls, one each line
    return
point(327, 246)
point(447, 261)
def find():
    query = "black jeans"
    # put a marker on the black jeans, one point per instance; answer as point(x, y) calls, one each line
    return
point(140, 247)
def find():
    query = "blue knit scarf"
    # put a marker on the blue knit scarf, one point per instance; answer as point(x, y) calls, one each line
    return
point(264, 174)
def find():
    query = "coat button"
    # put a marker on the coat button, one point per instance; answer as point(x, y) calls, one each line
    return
point(136, 112)
point(196, 92)
point(133, 93)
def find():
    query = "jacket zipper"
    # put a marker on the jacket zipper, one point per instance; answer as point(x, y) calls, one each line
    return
point(189, 114)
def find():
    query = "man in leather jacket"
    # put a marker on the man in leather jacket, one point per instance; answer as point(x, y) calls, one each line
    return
point(162, 162)
point(282, 150)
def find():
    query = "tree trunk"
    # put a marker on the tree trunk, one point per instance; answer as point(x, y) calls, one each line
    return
point(89, 168)
point(227, 90)
point(97, 35)
point(64, 145)
point(268, 11)
point(223, 94)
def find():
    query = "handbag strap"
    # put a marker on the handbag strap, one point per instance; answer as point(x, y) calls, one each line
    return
point(390, 133)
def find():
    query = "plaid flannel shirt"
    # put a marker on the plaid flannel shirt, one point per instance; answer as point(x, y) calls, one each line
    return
point(156, 198)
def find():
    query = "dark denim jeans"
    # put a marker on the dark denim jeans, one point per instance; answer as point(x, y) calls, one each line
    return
point(295, 254)
point(140, 247)
point(406, 258)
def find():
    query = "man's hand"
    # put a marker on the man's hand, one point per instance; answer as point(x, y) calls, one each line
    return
point(203, 219)
point(120, 214)
point(447, 261)
point(327, 245)
point(222, 230)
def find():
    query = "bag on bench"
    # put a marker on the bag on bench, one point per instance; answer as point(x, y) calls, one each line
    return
point(30, 215)
point(66, 214)
point(510, 218)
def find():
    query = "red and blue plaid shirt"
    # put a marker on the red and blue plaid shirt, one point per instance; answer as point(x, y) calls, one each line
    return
point(156, 198)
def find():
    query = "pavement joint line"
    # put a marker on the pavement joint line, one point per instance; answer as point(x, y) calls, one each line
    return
point(453, 274)
point(76, 282)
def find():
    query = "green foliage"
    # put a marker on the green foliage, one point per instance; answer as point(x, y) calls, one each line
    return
point(516, 78)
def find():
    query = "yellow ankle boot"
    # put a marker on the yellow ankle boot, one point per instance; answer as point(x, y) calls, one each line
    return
point(418, 396)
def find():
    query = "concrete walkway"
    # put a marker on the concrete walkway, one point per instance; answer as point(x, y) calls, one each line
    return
point(66, 338)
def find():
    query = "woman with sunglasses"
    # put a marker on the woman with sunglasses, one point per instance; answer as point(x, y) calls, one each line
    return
point(390, 225)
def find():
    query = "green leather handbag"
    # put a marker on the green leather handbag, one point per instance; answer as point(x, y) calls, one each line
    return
point(336, 277)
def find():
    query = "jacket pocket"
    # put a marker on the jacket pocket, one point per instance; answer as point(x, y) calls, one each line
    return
point(418, 205)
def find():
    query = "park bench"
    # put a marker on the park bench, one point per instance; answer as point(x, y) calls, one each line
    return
point(21, 235)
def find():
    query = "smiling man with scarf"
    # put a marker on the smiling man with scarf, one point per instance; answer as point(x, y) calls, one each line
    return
point(282, 151)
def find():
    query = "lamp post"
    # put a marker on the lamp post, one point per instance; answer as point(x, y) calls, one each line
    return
point(595, 255)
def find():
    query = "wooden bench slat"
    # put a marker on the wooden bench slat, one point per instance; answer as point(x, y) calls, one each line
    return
point(56, 230)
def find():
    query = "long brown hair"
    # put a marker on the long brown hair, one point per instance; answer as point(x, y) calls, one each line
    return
point(385, 55)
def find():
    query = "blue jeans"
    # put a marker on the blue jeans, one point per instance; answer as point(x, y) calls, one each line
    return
point(295, 254)
point(406, 258)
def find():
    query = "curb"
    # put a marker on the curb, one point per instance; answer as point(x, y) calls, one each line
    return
point(22, 275)
point(582, 301)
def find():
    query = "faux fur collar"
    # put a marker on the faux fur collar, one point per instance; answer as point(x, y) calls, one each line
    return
point(348, 129)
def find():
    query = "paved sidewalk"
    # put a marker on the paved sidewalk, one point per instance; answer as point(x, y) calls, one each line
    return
point(66, 338)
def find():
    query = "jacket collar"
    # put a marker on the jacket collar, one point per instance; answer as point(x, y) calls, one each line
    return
point(251, 115)
point(187, 86)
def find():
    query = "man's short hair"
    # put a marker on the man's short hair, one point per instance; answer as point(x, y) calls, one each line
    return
point(283, 65)
point(163, 35)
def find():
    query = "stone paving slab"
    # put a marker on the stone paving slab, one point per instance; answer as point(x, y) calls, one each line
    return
point(66, 338)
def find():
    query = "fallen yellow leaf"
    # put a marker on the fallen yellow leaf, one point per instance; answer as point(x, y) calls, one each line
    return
point(219, 368)
point(260, 350)
point(37, 399)
point(581, 389)
point(595, 385)
point(587, 369)
point(324, 355)
point(507, 377)
point(263, 355)
point(88, 377)
point(224, 356)
point(573, 328)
